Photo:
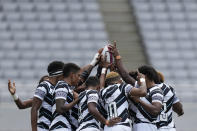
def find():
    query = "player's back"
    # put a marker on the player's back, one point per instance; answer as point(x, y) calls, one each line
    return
point(165, 118)
point(86, 119)
point(115, 101)
point(45, 92)
point(61, 120)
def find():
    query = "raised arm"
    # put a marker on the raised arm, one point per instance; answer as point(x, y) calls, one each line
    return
point(142, 90)
point(121, 69)
point(20, 104)
point(105, 65)
point(86, 70)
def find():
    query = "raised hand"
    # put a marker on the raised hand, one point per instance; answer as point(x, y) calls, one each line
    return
point(103, 62)
point(96, 58)
point(113, 49)
point(11, 87)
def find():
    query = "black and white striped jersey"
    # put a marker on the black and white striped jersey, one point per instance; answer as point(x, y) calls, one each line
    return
point(44, 92)
point(65, 120)
point(138, 113)
point(86, 119)
point(170, 98)
point(115, 101)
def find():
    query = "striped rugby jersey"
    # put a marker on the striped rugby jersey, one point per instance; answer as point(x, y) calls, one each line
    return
point(68, 119)
point(138, 113)
point(170, 98)
point(115, 101)
point(86, 119)
point(44, 92)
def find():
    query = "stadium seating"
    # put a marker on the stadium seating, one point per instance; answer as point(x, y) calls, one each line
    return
point(35, 32)
point(168, 29)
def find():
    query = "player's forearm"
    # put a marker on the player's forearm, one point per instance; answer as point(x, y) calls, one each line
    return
point(34, 119)
point(102, 81)
point(97, 115)
point(61, 108)
point(23, 104)
point(150, 108)
point(80, 88)
point(85, 73)
point(123, 73)
point(143, 89)
point(178, 108)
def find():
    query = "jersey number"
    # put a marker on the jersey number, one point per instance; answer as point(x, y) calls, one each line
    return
point(163, 116)
point(112, 110)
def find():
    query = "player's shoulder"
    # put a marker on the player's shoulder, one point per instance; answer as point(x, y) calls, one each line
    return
point(88, 92)
point(61, 84)
point(82, 94)
point(43, 84)
point(155, 89)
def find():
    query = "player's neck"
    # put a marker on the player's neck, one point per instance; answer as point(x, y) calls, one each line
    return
point(150, 84)
point(52, 81)
point(68, 81)
point(91, 88)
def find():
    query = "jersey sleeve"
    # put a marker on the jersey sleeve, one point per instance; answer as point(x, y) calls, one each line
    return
point(40, 92)
point(61, 92)
point(126, 89)
point(157, 96)
point(175, 99)
point(92, 96)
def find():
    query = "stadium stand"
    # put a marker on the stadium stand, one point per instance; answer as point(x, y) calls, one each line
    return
point(35, 32)
point(168, 29)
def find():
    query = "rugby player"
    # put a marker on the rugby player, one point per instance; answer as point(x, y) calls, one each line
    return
point(43, 98)
point(65, 98)
point(171, 103)
point(147, 109)
point(89, 115)
point(115, 96)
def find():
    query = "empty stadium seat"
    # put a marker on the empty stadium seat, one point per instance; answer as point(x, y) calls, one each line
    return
point(168, 30)
point(36, 32)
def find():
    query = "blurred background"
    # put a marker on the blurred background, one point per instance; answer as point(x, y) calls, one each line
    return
point(161, 33)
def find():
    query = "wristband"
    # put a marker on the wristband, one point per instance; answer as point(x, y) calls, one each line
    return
point(142, 80)
point(103, 70)
point(118, 57)
point(15, 97)
point(94, 61)
point(107, 122)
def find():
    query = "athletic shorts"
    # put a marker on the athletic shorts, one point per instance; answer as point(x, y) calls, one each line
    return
point(144, 127)
point(117, 128)
point(62, 129)
point(41, 129)
point(166, 129)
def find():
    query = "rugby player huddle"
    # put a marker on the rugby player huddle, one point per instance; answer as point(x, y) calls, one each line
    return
point(69, 100)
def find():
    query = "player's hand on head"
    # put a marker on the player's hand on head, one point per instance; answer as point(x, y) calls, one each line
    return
point(75, 95)
point(140, 78)
point(11, 87)
point(140, 75)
